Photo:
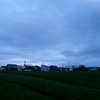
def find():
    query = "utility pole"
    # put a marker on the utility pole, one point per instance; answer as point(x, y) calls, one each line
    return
point(43, 62)
point(68, 64)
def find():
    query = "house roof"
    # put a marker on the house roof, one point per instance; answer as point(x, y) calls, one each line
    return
point(11, 64)
point(19, 66)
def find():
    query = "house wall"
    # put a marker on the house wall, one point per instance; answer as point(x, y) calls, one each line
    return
point(45, 68)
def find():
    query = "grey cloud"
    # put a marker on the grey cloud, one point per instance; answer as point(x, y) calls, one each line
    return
point(84, 55)
point(34, 28)
point(85, 51)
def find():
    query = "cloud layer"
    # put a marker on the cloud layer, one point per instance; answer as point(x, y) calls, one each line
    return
point(50, 31)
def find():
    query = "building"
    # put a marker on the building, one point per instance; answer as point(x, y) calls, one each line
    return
point(11, 66)
point(3, 68)
point(28, 67)
point(93, 69)
point(19, 67)
point(45, 68)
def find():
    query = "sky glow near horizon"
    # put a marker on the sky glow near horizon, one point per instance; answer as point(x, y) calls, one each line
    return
point(50, 31)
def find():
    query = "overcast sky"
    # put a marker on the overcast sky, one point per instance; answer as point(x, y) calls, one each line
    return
point(50, 31)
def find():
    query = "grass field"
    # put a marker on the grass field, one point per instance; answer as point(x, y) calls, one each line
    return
point(49, 85)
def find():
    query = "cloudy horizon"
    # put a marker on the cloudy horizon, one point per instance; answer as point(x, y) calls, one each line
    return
point(55, 32)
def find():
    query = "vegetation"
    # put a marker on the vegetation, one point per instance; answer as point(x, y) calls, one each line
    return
point(10, 91)
point(57, 85)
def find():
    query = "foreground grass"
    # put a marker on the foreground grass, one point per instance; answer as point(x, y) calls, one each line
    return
point(10, 91)
point(54, 89)
point(83, 79)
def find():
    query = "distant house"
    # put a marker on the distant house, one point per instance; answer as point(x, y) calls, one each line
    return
point(93, 69)
point(28, 67)
point(45, 68)
point(37, 68)
point(63, 69)
point(53, 68)
point(11, 67)
point(3, 68)
point(19, 67)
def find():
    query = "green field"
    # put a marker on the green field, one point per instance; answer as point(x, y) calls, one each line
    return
point(49, 85)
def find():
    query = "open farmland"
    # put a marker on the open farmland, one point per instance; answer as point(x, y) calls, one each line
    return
point(50, 85)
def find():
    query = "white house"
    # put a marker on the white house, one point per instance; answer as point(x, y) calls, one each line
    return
point(45, 68)
point(93, 69)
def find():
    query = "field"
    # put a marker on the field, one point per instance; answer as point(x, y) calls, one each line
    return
point(49, 85)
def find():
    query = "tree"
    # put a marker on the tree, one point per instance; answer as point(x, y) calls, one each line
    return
point(75, 69)
point(82, 68)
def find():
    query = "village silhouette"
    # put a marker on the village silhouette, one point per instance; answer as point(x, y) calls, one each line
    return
point(43, 67)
